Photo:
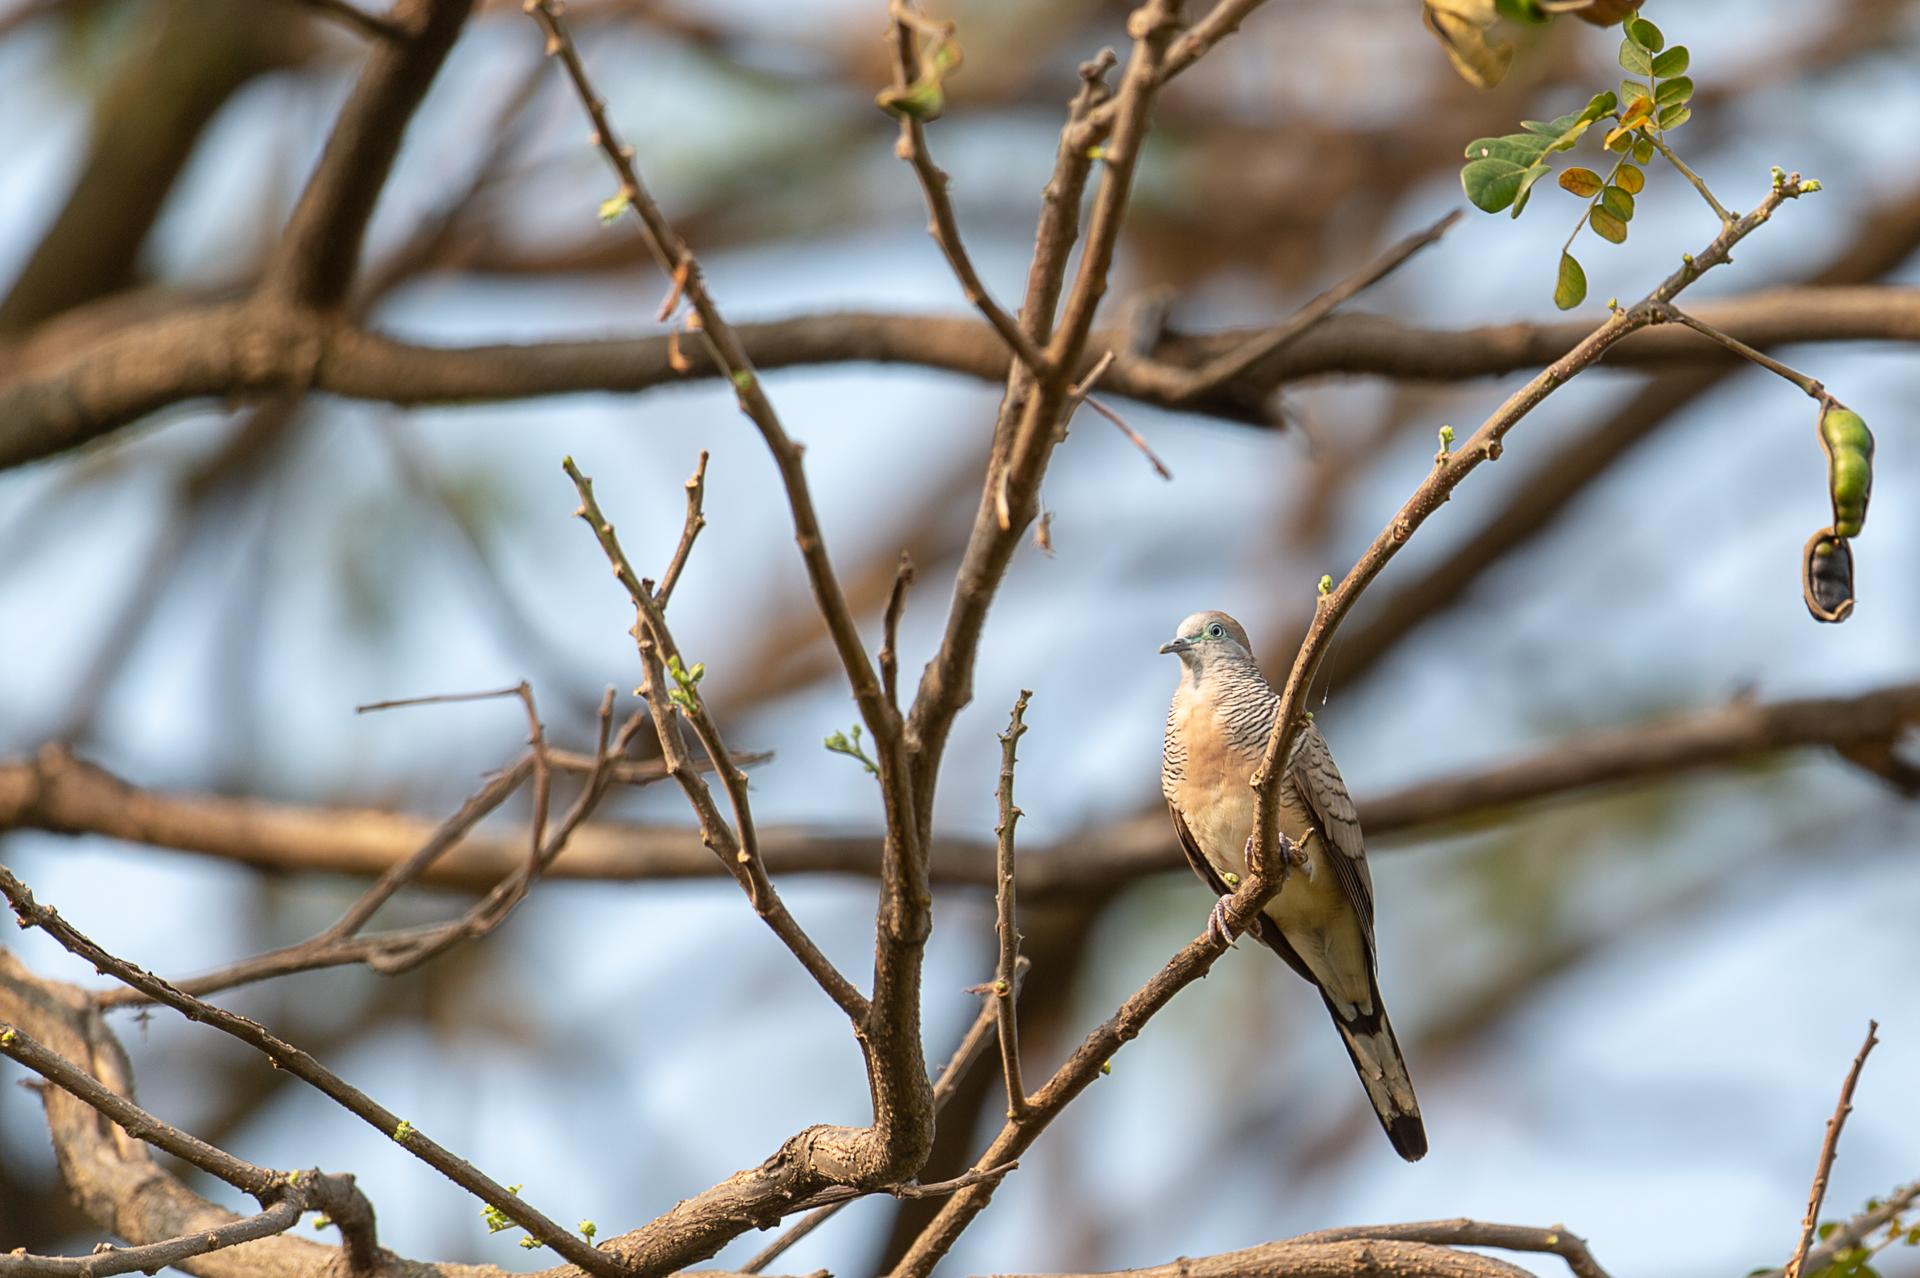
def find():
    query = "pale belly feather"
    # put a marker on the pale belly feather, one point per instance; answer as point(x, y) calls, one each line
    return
point(1311, 908)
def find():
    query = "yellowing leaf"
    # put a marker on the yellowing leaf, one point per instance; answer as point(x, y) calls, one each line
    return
point(1607, 226)
point(1582, 182)
point(1630, 179)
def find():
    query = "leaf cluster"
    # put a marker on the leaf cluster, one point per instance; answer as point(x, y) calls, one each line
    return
point(1500, 172)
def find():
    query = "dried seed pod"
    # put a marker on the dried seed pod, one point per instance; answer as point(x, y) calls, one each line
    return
point(1849, 448)
point(1826, 576)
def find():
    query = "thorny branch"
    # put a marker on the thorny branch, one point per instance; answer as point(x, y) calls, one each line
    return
point(1006, 924)
point(1830, 1146)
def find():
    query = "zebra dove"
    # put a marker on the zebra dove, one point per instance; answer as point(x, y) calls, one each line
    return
point(1321, 921)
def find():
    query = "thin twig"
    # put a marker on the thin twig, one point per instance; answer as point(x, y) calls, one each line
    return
point(736, 846)
point(890, 630)
point(1217, 372)
point(1828, 1148)
point(1811, 386)
point(152, 1257)
point(1005, 925)
point(272, 1189)
point(1133, 436)
point(443, 699)
point(945, 227)
point(301, 1065)
point(696, 520)
point(1699, 184)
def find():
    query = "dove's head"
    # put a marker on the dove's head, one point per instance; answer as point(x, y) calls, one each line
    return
point(1209, 639)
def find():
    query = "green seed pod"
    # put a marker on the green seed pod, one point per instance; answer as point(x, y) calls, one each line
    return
point(1826, 576)
point(1849, 448)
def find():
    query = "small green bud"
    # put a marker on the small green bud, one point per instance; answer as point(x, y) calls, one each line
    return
point(1106, 1067)
point(1232, 879)
point(588, 1229)
point(1446, 438)
point(404, 1130)
point(6, 1036)
point(613, 206)
point(743, 379)
point(1779, 177)
point(293, 1177)
point(322, 1221)
point(532, 1244)
point(1001, 988)
point(1326, 583)
point(1809, 185)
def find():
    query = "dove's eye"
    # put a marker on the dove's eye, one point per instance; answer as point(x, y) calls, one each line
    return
point(1216, 631)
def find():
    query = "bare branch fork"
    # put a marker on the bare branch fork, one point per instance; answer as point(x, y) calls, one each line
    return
point(891, 1150)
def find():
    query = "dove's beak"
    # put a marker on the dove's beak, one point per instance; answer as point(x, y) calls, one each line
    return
point(1175, 645)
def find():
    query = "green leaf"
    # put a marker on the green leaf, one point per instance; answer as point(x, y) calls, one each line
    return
point(1598, 105)
point(613, 206)
point(1631, 89)
point(1635, 59)
point(1827, 1229)
point(1672, 117)
point(1519, 148)
point(1617, 202)
point(1607, 226)
point(1582, 182)
point(1571, 288)
point(1527, 180)
point(1645, 34)
point(1672, 62)
point(1678, 89)
point(1642, 150)
point(1630, 179)
point(1493, 183)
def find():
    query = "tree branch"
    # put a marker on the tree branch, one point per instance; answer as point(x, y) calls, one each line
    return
point(945, 227)
point(59, 794)
point(313, 264)
point(1462, 1232)
point(63, 397)
point(284, 1055)
point(738, 846)
point(1367, 1258)
point(1005, 925)
point(1828, 1148)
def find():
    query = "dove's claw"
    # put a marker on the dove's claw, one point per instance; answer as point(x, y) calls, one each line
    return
point(1217, 928)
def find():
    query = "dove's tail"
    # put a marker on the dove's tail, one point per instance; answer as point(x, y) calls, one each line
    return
point(1383, 1072)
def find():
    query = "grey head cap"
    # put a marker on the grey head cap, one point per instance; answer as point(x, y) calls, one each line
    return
point(1206, 636)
